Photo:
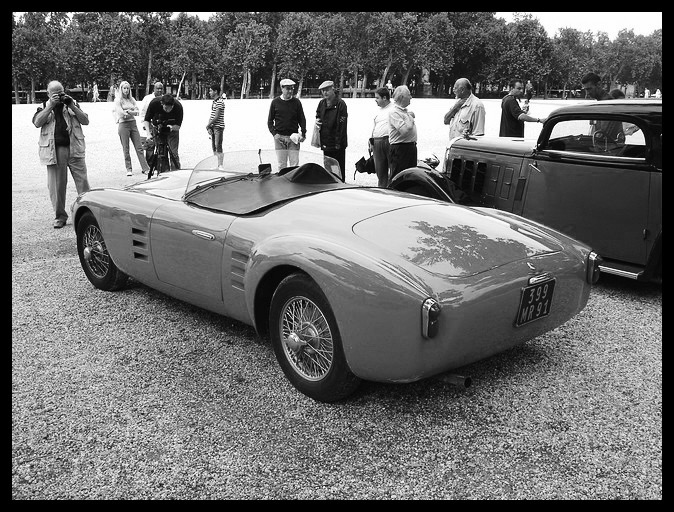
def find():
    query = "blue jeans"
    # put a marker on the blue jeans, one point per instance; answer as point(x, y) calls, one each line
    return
point(57, 179)
point(216, 139)
point(287, 152)
point(129, 130)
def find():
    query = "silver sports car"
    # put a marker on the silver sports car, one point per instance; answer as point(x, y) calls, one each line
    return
point(348, 282)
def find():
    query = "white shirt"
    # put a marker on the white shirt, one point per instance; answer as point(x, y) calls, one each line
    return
point(381, 125)
point(469, 119)
point(143, 108)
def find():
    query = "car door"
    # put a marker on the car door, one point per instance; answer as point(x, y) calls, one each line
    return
point(187, 246)
point(595, 189)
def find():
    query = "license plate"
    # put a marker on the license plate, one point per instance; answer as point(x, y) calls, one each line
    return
point(535, 302)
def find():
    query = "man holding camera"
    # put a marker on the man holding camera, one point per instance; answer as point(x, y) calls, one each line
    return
point(61, 146)
point(157, 91)
point(163, 118)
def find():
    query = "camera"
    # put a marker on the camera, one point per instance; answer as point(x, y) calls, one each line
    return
point(161, 126)
point(65, 99)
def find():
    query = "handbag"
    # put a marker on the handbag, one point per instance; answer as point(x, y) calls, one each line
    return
point(365, 165)
point(316, 136)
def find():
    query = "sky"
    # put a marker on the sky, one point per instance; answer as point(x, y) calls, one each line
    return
point(643, 23)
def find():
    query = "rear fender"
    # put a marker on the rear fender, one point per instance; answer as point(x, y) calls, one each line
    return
point(425, 182)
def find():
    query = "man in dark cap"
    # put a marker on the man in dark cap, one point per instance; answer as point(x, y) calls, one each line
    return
point(331, 115)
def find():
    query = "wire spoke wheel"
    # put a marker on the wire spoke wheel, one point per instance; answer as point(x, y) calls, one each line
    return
point(307, 342)
point(95, 252)
point(94, 256)
point(307, 339)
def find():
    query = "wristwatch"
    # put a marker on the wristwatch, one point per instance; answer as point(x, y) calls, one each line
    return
point(538, 119)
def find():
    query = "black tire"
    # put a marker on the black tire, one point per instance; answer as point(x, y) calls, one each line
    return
point(94, 256)
point(307, 342)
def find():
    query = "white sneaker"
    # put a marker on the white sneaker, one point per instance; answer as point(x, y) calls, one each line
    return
point(221, 168)
point(129, 173)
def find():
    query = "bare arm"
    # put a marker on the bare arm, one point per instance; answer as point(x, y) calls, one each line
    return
point(531, 119)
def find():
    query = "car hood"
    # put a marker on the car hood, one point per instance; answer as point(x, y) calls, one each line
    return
point(169, 185)
point(456, 241)
point(498, 145)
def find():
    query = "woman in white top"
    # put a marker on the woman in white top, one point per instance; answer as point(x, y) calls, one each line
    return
point(378, 144)
point(126, 110)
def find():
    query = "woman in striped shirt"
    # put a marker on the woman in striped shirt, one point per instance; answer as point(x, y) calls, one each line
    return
point(216, 123)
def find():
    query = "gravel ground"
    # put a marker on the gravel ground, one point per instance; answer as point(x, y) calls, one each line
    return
point(133, 395)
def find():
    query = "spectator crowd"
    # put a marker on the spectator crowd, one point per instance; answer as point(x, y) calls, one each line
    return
point(392, 142)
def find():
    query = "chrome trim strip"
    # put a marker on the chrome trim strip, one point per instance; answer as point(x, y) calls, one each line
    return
point(540, 278)
point(599, 156)
point(617, 272)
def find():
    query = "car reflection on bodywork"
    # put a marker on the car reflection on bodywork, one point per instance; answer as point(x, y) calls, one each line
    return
point(595, 173)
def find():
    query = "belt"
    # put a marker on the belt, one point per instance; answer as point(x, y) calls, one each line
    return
point(401, 143)
point(381, 138)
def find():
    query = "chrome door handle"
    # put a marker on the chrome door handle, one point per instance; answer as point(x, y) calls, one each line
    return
point(203, 234)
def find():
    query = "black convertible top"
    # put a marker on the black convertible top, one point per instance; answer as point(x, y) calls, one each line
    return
point(251, 193)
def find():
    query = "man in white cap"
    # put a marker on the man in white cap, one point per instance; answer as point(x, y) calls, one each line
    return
point(332, 115)
point(286, 122)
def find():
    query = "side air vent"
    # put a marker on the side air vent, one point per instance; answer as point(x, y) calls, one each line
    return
point(238, 272)
point(140, 244)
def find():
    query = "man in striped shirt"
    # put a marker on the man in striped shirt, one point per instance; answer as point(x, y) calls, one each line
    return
point(216, 123)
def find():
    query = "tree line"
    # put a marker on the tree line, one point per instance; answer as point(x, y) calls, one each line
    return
point(247, 52)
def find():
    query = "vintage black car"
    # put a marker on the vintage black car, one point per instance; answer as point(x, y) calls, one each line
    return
point(595, 173)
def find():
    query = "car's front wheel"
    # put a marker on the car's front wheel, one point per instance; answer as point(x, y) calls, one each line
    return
point(306, 341)
point(94, 256)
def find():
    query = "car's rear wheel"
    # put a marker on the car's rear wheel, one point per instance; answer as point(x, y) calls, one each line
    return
point(94, 256)
point(307, 342)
